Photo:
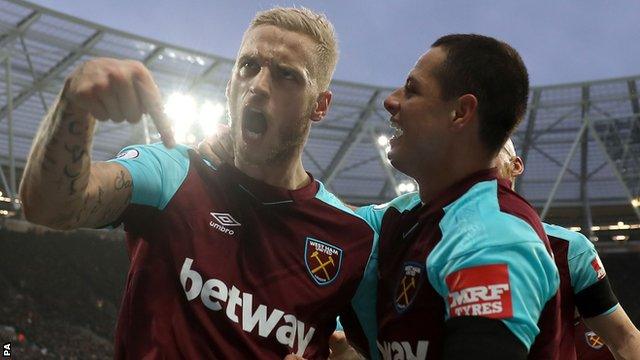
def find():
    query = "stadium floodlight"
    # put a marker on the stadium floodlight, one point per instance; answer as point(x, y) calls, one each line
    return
point(406, 187)
point(182, 111)
point(209, 117)
point(383, 140)
point(620, 237)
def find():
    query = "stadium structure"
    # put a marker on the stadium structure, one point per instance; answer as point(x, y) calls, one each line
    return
point(580, 141)
point(61, 290)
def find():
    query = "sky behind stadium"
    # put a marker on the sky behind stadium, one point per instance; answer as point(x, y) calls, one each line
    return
point(560, 41)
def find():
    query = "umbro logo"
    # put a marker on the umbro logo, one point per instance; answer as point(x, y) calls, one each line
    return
point(221, 222)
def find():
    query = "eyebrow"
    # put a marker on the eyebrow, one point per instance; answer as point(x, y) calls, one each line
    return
point(285, 66)
point(245, 57)
point(303, 72)
point(411, 82)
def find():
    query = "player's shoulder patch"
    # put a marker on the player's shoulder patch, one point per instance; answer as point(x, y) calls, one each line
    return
point(482, 290)
point(178, 154)
point(126, 154)
point(322, 260)
point(593, 340)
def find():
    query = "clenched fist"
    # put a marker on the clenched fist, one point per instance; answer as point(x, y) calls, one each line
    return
point(119, 90)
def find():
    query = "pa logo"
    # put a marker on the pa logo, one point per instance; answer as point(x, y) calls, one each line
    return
point(408, 285)
point(322, 260)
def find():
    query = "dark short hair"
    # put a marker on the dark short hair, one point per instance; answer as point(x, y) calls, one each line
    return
point(492, 71)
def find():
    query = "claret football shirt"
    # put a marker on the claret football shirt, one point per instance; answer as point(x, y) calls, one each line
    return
point(583, 284)
point(477, 249)
point(225, 266)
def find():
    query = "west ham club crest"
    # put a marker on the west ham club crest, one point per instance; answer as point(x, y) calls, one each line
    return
point(593, 340)
point(322, 260)
point(408, 285)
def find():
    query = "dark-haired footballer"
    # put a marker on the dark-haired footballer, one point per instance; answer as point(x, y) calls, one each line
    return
point(584, 286)
point(466, 271)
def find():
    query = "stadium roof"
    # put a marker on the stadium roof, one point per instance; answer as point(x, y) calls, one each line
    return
point(596, 121)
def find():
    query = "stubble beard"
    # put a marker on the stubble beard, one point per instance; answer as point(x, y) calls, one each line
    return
point(288, 144)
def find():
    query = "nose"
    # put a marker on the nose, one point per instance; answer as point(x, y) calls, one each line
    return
point(391, 103)
point(261, 83)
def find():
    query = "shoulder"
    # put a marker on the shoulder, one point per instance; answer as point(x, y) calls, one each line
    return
point(155, 152)
point(373, 214)
point(578, 243)
point(400, 203)
point(330, 200)
point(476, 221)
point(156, 171)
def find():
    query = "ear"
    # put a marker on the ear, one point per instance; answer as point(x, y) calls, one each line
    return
point(517, 166)
point(322, 106)
point(465, 111)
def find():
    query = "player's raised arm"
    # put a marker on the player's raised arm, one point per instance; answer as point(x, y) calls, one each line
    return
point(618, 332)
point(60, 187)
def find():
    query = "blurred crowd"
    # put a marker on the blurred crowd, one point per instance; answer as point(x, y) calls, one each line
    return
point(61, 291)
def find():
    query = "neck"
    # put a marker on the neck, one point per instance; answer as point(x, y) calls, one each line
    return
point(287, 174)
point(433, 182)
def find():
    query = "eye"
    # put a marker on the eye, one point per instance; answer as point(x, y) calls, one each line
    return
point(407, 92)
point(409, 89)
point(248, 67)
point(287, 74)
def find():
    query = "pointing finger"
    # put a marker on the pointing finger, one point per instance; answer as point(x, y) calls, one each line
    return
point(152, 103)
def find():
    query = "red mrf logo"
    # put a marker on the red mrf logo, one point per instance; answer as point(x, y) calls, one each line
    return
point(480, 291)
point(597, 266)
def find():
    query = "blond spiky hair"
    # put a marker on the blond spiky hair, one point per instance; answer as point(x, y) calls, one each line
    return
point(316, 26)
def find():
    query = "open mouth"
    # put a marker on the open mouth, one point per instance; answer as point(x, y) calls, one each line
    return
point(397, 131)
point(254, 123)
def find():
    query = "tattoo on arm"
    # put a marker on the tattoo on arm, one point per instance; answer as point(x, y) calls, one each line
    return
point(121, 183)
point(73, 178)
point(75, 128)
point(77, 152)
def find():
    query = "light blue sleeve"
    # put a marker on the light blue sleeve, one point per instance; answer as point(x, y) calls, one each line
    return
point(495, 267)
point(363, 302)
point(373, 214)
point(582, 258)
point(156, 171)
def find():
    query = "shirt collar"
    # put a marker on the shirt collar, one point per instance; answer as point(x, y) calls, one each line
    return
point(267, 194)
point(458, 189)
